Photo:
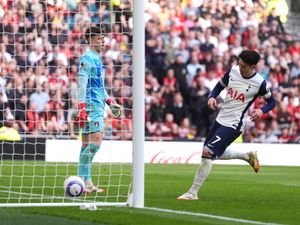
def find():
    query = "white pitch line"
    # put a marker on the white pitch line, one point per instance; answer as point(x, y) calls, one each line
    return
point(292, 185)
point(210, 216)
point(44, 196)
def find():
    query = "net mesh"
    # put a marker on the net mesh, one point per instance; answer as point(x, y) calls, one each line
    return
point(41, 43)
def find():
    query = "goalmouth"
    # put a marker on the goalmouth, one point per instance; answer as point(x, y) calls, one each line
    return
point(28, 180)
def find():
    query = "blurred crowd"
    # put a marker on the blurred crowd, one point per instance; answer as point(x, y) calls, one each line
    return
point(190, 44)
point(41, 43)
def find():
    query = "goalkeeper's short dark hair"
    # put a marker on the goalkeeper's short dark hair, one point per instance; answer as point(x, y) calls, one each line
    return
point(93, 31)
point(250, 57)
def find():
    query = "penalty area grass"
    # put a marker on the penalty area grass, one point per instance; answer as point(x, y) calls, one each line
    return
point(231, 195)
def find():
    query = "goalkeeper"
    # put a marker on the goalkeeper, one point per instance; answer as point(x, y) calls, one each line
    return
point(92, 98)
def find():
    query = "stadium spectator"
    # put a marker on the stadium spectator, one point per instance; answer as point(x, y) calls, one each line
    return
point(284, 118)
point(193, 66)
point(32, 119)
point(20, 113)
point(184, 128)
point(198, 107)
point(9, 131)
point(295, 71)
point(177, 107)
point(3, 109)
point(169, 80)
point(169, 127)
point(272, 134)
point(40, 98)
point(180, 72)
point(157, 134)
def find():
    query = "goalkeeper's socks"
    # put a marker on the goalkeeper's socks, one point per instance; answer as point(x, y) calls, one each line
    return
point(85, 161)
point(82, 163)
point(201, 174)
point(93, 150)
point(234, 154)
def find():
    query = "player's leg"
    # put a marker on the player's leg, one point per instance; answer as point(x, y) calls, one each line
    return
point(91, 142)
point(203, 169)
point(90, 146)
point(234, 154)
point(95, 140)
point(218, 139)
point(200, 176)
point(83, 157)
point(250, 157)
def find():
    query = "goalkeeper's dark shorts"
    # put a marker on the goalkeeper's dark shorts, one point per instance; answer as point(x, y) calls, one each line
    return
point(219, 138)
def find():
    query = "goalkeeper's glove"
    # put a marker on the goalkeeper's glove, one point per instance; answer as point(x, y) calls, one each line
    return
point(82, 115)
point(114, 108)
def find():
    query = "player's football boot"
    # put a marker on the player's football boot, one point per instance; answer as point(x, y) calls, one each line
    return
point(188, 196)
point(253, 160)
point(94, 189)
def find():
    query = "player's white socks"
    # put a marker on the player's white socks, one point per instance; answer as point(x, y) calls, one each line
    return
point(201, 174)
point(234, 154)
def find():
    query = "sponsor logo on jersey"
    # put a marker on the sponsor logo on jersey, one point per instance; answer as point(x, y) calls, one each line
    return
point(248, 88)
point(236, 95)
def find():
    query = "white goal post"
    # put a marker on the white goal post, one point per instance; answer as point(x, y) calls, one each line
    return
point(26, 178)
point(138, 103)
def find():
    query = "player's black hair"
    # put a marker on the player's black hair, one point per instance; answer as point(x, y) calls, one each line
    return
point(250, 57)
point(94, 30)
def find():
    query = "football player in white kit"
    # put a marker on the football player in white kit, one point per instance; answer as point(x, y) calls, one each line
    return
point(243, 86)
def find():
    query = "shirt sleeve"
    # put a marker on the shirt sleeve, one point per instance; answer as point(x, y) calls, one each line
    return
point(220, 86)
point(264, 91)
point(267, 95)
point(84, 72)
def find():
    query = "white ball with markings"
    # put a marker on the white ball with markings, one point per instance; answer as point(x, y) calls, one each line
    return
point(74, 186)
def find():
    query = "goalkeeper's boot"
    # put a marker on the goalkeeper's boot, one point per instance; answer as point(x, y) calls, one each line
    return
point(94, 189)
point(188, 196)
point(253, 160)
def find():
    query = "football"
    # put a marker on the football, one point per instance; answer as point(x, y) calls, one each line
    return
point(74, 186)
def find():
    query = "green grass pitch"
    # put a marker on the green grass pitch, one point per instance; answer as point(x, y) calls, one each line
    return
point(270, 197)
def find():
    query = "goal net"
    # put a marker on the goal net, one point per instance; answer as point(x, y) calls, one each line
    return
point(41, 43)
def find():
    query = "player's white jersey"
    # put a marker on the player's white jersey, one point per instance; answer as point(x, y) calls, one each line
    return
point(241, 93)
